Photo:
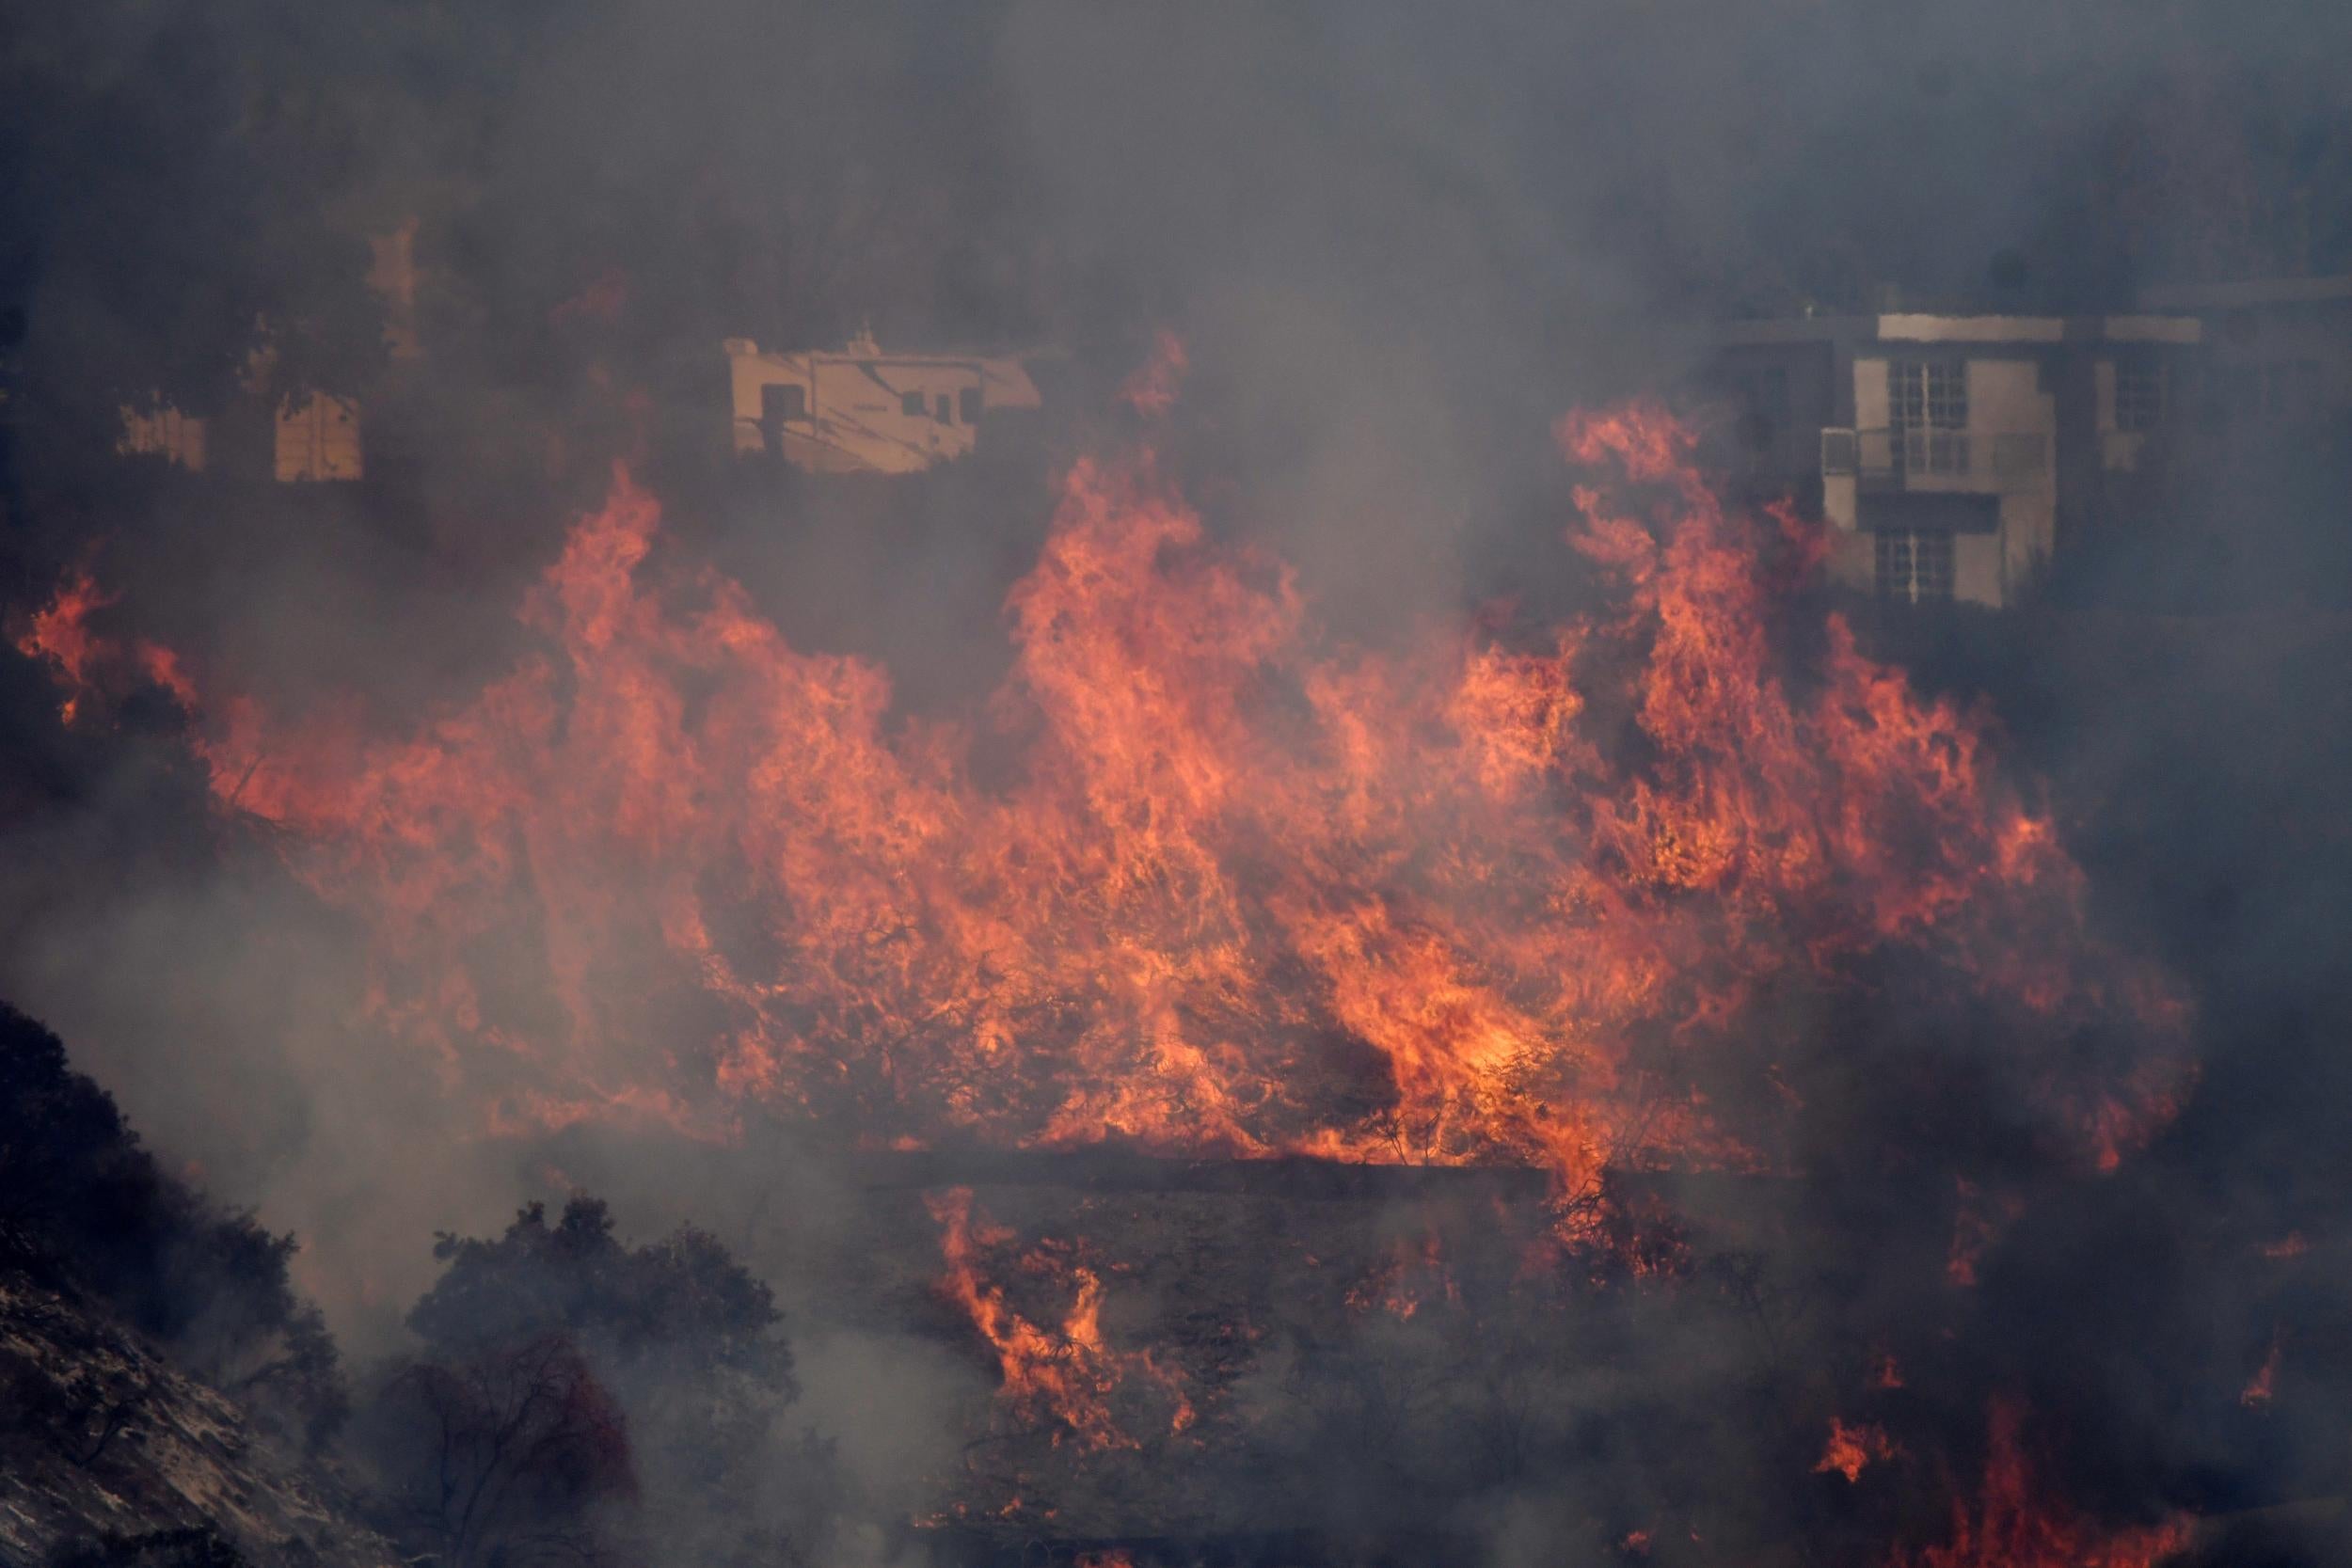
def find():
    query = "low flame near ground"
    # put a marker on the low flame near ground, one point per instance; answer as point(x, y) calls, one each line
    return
point(1063, 1375)
point(2012, 1524)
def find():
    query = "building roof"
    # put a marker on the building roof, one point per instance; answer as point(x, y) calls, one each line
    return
point(1917, 326)
point(2247, 293)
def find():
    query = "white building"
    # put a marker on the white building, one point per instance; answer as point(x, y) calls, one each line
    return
point(1953, 450)
point(860, 410)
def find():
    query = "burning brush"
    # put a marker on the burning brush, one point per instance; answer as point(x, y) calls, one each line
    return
point(1578, 898)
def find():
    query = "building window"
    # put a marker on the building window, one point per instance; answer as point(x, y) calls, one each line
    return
point(783, 403)
point(945, 409)
point(1926, 408)
point(1930, 394)
point(968, 404)
point(2140, 394)
point(1915, 567)
point(915, 405)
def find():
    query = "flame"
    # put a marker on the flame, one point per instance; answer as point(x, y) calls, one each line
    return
point(1851, 1449)
point(1066, 1375)
point(1503, 896)
point(1977, 1223)
point(1399, 1280)
point(1151, 390)
point(602, 298)
point(60, 635)
point(2013, 1524)
point(2264, 1385)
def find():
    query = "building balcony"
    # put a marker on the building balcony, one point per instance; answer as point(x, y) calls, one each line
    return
point(1930, 458)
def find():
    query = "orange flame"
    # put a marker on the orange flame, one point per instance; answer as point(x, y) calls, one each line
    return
point(2014, 1526)
point(1977, 1224)
point(1852, 1449)
point(59, 634)
point(1067, 1374)
point(1151, 390)
point(1492, 898)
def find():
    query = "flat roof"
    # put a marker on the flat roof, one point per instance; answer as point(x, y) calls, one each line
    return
point(1924, 327)
point(2246, 293)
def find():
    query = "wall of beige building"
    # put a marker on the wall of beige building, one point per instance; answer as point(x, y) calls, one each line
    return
point(2005, 398)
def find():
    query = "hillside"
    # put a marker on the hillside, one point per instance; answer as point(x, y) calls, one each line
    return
point(106, 1446)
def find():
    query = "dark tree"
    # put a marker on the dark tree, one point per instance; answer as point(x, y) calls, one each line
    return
point(509, 1455)
point(84, 1205)
point(680, 1335)
point(683, 1301)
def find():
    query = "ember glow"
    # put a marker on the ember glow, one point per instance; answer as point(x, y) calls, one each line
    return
point(2014, 1523)
point(1506, 897)
point(1852, 1449)
point(2264, 1385)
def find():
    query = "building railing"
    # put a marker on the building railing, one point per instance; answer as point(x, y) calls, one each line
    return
point(1941, 459)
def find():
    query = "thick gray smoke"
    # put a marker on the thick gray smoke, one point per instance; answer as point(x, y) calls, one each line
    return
point(1397, 241)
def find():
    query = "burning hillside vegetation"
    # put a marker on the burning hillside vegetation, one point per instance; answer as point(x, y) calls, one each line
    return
point(1663, 916)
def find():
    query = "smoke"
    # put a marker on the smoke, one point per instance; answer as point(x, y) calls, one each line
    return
point(1397, 241)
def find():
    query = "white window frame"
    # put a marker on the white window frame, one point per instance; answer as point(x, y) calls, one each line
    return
point(1927, 411)
point(1916, 565)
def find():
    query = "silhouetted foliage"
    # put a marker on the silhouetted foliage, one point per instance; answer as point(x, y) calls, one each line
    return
point(683, 1300)
point(506, 1455)
point(82, 1203)
point(565, 1372)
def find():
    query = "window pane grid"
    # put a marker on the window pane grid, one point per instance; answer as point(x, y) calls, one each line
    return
point(1914, 567)
point(1946, 394)
point(2138, 397)
point(1927, 407)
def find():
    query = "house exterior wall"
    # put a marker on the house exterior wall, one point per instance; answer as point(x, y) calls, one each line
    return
point(1988, 501)
point(2118, 448)
point(2006, 399)
point(317, 441)
point(167, 434)
point(1870, 394)
point(1982, 569)
point(2008, 434)
point(1853, 560)
point(864, 411)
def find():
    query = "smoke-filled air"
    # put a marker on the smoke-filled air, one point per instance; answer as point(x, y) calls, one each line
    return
point(1027, 785)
